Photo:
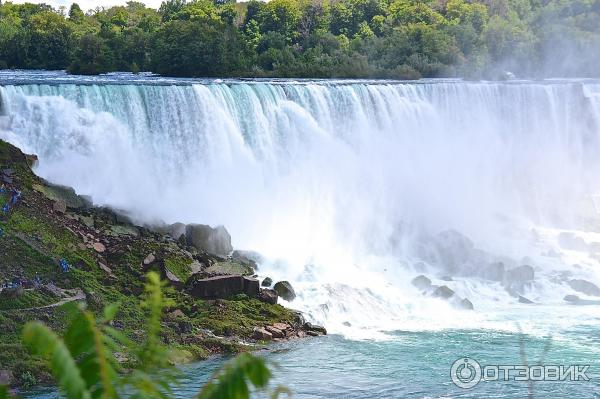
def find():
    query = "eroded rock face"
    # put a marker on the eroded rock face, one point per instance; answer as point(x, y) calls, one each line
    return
point(66, 195)
point(212, 240)
point(285, 290)
point(585, 287)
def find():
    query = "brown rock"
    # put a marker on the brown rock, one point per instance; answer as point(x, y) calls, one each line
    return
point(281, 326)
point(313, 328)
point(268, 296)
point(176, 314)
point(275, 332)
point(171, 278)
point(99, 247)
point(149, 259)
point(105, 268)
point(261, 334)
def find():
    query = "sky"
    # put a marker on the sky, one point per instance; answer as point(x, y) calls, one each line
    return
point(89, 4)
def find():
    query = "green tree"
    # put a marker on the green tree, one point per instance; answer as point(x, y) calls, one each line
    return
point(75, 13)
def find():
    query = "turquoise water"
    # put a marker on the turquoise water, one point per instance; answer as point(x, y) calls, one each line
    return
point(413, 365)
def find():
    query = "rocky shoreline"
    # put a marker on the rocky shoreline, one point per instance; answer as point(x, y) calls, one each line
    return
point(57, 248)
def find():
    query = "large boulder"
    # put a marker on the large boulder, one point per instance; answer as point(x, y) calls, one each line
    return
point(212, 240)
point(520, 274)
point(275, 332)
point(465, 303)
point(522, 299)
point(443, 292)
point(251, 258)
point(268, 296)
point(571, 298)
point(170, 277)
point(285, 290)
point(313, 328)
point(176, 230)
point(585, 287)
point(267, 282)
point(229, 267)
point(61, 194)
point(251, 287)
point(217, 287)
point(261, 334)
point(421, 282)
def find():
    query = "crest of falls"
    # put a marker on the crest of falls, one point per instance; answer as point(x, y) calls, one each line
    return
point(350, 189)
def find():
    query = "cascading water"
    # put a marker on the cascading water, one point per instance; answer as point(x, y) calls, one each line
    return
point(349, 188)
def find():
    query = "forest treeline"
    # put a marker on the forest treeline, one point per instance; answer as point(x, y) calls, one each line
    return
point(309, 38)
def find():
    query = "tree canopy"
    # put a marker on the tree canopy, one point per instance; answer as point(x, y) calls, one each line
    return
point(309, 38)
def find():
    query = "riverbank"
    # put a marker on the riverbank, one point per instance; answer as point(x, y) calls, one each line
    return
point(57, 248)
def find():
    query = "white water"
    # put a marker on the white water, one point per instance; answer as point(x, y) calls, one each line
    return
point(347, 188)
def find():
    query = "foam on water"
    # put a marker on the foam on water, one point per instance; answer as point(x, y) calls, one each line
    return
point(349, 189)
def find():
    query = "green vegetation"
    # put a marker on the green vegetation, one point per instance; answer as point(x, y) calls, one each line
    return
point(309, 38)
point(36, 238)
point(83, 361)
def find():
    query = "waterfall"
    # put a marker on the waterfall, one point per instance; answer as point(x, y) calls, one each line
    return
point(347, 187)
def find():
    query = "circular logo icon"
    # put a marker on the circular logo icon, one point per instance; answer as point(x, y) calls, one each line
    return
point(465, 373)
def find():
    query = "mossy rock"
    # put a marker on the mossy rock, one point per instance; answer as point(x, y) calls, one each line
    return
point(61, 194)
point(229, 267)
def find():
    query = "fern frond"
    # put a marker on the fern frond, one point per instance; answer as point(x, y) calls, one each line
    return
point(232, 382)
point(43, 342)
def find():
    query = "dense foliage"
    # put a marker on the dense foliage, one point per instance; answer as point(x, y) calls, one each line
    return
point(83, 361)
point(309, 38)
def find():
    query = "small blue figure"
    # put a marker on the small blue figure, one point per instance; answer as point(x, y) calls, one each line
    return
point(64, 265)
point(2, 190)
point(5, 208)
point(1, 232)
point(16, 195)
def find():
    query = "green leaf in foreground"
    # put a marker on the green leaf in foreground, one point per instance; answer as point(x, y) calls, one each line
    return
point(42, 341)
